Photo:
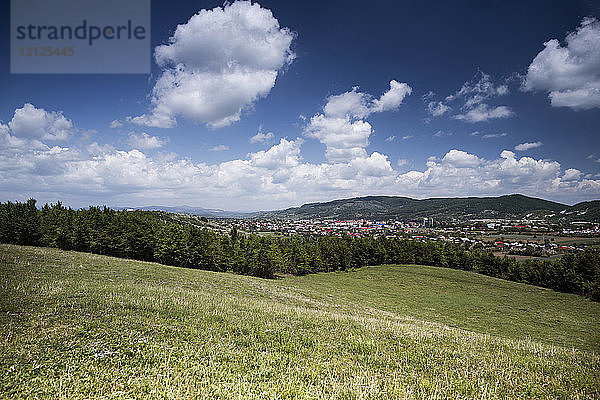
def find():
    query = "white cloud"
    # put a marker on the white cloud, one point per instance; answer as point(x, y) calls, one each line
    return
point(353, 104)
point(527, 146)
point(392, 99)
point(10, 142)
point(277, 177)
point(37, 123)
point(262, 137)
point(570, 74)
point(341, 127)
point(571, 174)
point(160, 118)
point(494, 135)
point(461, 174)
point(479, 89)
point(219, 147)
point(285, 154)
point(472, 99)
point(95, 149)
point(427, 96)
point(143, 141)
point(217, 64)
point(115, 124)
point(376, 164)
point(344, 139)
point(4, 130)
point(483, 113)
point(390, 138)
point(274, 178)
point(406, 137)
point(437, 108)
point(460, 159)
point(441, 133)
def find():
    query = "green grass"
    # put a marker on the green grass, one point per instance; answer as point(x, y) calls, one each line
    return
point(76, 325)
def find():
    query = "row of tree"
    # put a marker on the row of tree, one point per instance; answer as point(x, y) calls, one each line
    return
point(152, 236)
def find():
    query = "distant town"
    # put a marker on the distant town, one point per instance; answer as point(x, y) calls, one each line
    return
point(506, 237)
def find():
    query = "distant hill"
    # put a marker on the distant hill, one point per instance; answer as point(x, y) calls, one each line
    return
point(514, 206)
point(443, 209)
point(585, 211)
point(199, 211)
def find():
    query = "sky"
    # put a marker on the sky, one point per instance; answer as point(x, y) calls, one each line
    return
point(269, 105)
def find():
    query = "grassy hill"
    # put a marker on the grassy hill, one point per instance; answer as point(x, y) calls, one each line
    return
point(75, 325)
point(404, 208)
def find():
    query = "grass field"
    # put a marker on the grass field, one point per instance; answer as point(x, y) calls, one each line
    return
point(76, 325)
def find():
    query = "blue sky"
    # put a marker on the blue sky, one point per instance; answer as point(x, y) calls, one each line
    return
point(274, 104)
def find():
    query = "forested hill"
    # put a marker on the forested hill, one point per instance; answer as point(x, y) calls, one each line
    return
point(199, 211)
point(444, 209)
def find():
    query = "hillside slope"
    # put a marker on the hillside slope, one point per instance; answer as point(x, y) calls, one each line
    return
point(75, 325)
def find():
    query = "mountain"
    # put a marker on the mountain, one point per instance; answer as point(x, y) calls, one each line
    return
point(443, 209)
point(514, 206)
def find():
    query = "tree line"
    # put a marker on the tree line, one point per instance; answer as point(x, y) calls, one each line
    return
point(150, 236)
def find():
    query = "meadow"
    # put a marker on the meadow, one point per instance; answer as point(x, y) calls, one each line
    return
point(77, 325)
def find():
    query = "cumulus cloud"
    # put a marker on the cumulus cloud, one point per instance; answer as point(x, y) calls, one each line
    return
point(285, 154)
point(144, 141)
point(527, 146)
point(217, 64)
point(571, 174)
point(376, 165)
point(391, 99)
point(459, 173)
point(8, 141)
point(343, 138)
point(273, 178)
point(262, 137)
point(471, 101)
point(341, 126)
point(356, 104)
point(571, 73)
point(460, 159)
point(37, 123)
point(352, 104)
